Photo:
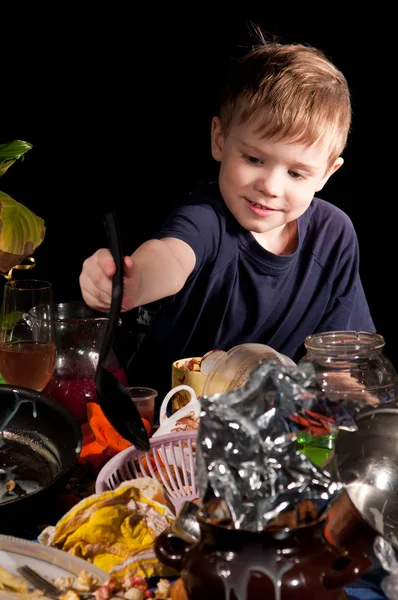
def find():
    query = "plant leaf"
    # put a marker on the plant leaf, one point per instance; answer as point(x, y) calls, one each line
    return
point(21, 232)
point(11, 152)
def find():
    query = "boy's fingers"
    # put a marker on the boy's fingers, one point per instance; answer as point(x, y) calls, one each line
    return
point(95, 303)
point(101, 289)
point(108, 266)
point(128, 266)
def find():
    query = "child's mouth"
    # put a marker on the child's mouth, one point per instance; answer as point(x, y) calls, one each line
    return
point(260, 206)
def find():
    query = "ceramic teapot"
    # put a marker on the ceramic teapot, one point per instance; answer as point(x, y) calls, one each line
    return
point(280, 564)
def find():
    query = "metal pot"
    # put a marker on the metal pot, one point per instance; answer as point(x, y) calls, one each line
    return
point(367, 463)
point(42, 441)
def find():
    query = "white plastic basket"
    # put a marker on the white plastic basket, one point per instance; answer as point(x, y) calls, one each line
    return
point(170, 460)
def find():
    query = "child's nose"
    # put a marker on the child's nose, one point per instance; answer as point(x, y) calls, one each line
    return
point(269, 183)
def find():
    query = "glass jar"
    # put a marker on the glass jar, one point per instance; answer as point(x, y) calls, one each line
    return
point(350, 366)
point(79, 334)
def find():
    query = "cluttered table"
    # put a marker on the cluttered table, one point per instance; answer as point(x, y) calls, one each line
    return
point(75, 498)
point(85, 497)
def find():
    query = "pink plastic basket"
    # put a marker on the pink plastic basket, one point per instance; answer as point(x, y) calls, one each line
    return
point(174, 457)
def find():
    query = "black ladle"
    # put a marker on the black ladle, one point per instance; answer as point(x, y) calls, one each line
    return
point(113, 398)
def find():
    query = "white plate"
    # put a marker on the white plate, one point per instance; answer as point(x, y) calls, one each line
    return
point(49, 562)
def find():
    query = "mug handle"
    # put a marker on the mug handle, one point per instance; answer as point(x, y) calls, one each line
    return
point(171, 549)
point(163, 408)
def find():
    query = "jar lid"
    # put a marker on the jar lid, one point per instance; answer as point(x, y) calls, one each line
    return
point(344, 342)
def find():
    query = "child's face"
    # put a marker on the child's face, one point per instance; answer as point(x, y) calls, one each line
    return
point(267, 183)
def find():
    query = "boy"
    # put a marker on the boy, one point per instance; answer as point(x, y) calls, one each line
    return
point(255, 257)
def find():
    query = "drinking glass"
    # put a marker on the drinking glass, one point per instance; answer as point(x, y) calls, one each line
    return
point(27, 334)
point(144, 399)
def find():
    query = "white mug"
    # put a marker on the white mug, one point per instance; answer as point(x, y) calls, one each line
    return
point(166, 424)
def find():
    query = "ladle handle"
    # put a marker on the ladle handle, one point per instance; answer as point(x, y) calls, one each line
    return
point(115, 246)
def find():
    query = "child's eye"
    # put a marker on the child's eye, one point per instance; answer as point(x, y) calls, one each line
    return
point(295, 175)
point(253, 160)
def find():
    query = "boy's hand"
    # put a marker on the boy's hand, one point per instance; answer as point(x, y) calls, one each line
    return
point(157, 269)
point(96, 281)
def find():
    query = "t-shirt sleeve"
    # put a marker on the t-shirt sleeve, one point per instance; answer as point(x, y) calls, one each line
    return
point(348, 308)
point(199, 226)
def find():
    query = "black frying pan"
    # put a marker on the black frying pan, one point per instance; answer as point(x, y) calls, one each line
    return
point(38, 453)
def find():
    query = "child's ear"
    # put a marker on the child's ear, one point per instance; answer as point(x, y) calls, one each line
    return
point(217, 139)
point(336, 165)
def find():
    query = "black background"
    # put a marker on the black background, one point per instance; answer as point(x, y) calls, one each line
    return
point(118, 102)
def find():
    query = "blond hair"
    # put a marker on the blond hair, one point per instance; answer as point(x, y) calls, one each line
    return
point(292, 92)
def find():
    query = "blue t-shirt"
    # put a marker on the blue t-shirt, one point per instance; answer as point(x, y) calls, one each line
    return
point(239, 292)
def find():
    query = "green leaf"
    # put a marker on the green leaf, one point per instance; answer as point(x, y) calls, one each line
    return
point(11, 152)
point(2, 379)
point(21, 232)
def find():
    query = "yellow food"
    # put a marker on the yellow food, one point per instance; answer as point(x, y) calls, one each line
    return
point(9, 582)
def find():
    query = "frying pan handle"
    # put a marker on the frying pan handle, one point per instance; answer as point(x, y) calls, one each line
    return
point(115, 246)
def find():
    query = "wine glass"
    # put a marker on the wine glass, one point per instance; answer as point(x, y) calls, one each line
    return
point(27, 334)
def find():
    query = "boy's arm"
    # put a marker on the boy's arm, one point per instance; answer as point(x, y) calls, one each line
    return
point(158, 268)
point(163, 266)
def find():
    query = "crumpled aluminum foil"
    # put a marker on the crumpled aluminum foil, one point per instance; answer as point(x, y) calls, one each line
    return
point(246, 451)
